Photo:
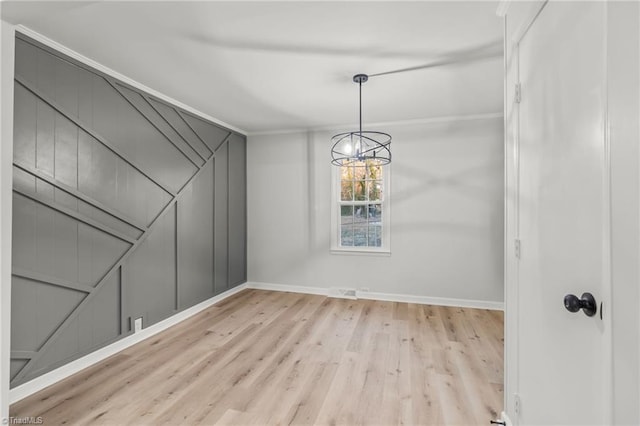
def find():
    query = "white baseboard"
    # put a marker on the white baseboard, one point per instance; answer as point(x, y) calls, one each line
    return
point(48, 379)
point(388, 297)
point(427, 300)
point(321, 291)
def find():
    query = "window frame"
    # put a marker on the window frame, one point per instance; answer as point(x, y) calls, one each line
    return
point(336, 248)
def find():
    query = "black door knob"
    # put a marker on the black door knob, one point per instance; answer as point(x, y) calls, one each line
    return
point(587, 303)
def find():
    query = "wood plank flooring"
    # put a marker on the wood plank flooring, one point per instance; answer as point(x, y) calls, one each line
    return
point(262, 357)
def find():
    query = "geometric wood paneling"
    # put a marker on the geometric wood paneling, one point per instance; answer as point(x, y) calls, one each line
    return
point(52, 244)
point(120, 123)
point(111, 180)
point(122, 209)
point(98, 322)
point(142, 104)
point(237, 201)
point(89, 166)
point(211, 136)
point(50, 305)
point(194, 245)
point(221, 220)
point(179, 125)
point(105, 111)
point(150, 273)
point(30, 181)
point(16, 365)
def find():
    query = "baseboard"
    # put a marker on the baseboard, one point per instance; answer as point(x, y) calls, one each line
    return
point(427, 300)
point(54, 376)
point(387, 297)
point(290, 288)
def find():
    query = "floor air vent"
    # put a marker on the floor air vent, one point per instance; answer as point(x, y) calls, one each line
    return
point(342, 293)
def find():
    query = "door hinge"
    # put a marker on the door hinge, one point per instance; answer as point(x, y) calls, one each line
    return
point(517, 248)
point(517, 404)
point(518, 93)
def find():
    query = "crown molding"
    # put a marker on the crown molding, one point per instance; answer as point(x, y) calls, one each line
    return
point(417, 121)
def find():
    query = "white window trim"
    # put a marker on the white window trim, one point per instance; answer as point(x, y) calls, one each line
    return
point(385, 249)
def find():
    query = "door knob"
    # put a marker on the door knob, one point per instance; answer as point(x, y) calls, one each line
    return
point(587, 303)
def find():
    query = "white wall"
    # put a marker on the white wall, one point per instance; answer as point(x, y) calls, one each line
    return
point(6, 176)
point(446, 213)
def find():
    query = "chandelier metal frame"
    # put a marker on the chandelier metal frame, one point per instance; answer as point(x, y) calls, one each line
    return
point(361, 145)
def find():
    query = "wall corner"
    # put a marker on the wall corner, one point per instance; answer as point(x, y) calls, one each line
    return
point(7, 42)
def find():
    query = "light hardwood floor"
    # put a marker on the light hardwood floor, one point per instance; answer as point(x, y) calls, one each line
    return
point(264, 357)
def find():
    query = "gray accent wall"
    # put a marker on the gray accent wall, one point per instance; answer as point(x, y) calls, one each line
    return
point(124, 206)
point(237, 207)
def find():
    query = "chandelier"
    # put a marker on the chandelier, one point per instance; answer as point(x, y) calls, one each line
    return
point(361, 145)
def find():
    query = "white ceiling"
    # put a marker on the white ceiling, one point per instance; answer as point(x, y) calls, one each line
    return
point(268, 66)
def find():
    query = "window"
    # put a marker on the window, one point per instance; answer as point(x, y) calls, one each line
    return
point(361, 207)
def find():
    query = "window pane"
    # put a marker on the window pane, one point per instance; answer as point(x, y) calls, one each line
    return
point(346, 191)
point(346, 235)
point(374, 213)
point(360, 214)
point(346, 173)
point(360, 189)
point(346, 215)
point(375, 236)
point(374, 171)
point(359, 236)
point(374, 189)
point(360, 171)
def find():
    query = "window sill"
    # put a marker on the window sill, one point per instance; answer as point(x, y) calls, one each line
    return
point(361, 252)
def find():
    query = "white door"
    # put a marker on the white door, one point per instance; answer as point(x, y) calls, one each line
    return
point(563, 370)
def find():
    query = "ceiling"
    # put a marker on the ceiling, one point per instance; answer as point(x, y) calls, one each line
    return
point(270, 66)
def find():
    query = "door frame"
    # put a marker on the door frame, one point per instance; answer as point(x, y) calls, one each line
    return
point(512, 224)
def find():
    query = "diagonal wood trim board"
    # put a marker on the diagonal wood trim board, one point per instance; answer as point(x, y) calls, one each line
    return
point(48, 379)
point(386, 297)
